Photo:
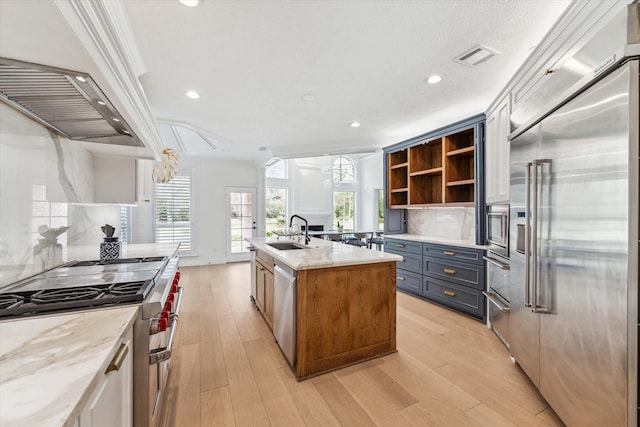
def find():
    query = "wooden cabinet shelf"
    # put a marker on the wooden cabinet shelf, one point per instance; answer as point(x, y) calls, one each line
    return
point(434, 171)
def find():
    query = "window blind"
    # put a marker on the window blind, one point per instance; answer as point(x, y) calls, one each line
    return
point(173, 212)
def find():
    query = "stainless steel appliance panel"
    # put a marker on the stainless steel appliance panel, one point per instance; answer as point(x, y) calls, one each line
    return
point(497, 229)
point(284, 311)
point(570, 255)
point(582, 245)
point(498, 296)
point(524, 325)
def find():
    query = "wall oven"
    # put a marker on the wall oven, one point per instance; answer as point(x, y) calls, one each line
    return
point(498, 285)
point(498, 229)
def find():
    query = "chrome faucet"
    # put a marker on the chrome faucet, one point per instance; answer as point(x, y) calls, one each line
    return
point(307, 239)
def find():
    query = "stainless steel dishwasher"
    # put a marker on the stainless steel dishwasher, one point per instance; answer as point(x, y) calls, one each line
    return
point(284, 310)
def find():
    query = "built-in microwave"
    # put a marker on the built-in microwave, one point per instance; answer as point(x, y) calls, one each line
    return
point(498, 229)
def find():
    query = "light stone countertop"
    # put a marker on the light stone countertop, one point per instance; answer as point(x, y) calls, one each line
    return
point(137, 250)
point(50, 365)
point(321, 254)
point(436, 240)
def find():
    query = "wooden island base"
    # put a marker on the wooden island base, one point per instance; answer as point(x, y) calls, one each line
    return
point(345, 315)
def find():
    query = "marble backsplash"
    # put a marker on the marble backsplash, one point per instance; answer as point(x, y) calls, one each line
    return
point(42, 177)
point(455, 223)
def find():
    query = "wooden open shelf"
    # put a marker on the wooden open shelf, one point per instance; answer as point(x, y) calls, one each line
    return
point(434, 172)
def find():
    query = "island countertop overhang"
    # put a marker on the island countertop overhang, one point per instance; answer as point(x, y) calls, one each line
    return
point(321, 254)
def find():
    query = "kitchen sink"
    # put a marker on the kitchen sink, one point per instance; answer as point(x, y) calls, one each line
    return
point(287, 246)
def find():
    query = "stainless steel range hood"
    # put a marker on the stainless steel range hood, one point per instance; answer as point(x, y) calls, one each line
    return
point(67, 102)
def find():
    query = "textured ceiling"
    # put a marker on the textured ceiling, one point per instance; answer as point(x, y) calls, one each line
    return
point(253, 61)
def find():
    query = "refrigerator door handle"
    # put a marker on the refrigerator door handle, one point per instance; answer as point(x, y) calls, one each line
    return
point(537, 164)
point(527, 234)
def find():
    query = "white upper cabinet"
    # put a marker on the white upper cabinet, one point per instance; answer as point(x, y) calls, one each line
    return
point(122, 180)
point(497, 153)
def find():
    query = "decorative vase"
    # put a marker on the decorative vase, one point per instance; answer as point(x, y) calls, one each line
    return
point(110, 249)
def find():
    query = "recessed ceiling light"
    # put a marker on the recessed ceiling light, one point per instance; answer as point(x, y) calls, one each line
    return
point(434, 79)
point(81, 79)
point(189, 3)
point(354, 124)
point(193, 94)
point(308, 97)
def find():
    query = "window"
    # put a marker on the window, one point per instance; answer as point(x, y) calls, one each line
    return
point(276, 207)
point(380, 210)
point(344, 171)
point(51, 215)
point(277, 169)
point(173, 213)
point(344, 210)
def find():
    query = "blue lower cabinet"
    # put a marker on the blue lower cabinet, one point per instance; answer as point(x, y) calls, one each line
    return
point(409, 281)
point(462, 274)
point(458, 297)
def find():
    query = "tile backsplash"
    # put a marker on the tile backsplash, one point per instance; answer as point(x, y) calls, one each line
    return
point(42, 175)
point(453, 223)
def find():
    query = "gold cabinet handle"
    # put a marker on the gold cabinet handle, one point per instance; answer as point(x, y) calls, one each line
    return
point(450, 293)
point(401, 278)
point(452, 253)
point(400, 245)
point(449, 271)
point(118, 359)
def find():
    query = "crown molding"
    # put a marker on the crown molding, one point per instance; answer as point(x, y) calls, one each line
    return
point(103, 29)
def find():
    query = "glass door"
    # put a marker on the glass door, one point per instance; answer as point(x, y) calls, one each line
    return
point(241, 222)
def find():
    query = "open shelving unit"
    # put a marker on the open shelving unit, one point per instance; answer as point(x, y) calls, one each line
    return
point(433, 172)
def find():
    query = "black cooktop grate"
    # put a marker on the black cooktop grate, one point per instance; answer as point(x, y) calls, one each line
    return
point(30, 303)
point(48, 296)
point(9, 301)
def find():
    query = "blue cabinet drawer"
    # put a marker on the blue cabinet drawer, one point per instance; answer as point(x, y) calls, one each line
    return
point(455, 296)
point(397, 246)
point(408, 281)
point(411, 262)
point(454, 253)
point(463, 274)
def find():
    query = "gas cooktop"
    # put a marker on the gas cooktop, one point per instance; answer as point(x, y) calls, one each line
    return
point(82, 285)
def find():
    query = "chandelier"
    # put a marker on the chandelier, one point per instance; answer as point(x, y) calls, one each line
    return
point(166, 169)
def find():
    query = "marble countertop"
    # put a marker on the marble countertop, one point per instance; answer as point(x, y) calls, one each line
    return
point(437, 240)
point(321, 254)
point(85, 253)
point(50, 365)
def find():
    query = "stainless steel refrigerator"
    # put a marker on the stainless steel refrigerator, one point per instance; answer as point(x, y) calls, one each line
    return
point(574, 248)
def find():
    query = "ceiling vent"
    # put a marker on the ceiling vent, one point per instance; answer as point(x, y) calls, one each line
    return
point(476, 55)
point(67, 102)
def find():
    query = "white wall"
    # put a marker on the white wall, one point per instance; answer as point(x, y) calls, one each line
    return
point(370, 179)
point(211, 177)
point(32, 156)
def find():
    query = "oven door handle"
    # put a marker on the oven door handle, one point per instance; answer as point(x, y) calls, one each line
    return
point(164, 353)
point(496, 262)
point(491, 298)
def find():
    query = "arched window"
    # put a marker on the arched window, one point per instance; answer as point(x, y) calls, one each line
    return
point(344, 171)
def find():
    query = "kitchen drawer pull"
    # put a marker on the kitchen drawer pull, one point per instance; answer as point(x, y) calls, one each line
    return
point(400, 245)
point(491, 298)
point(496, 263)
point(401, 278)
point(449, 271)
point(450, 293)
point(118, 359)
point(452, 253)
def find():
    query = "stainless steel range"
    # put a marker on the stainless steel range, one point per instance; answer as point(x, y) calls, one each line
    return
point(151, 282)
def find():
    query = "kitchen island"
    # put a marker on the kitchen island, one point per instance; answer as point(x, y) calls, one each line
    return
point(344, 303)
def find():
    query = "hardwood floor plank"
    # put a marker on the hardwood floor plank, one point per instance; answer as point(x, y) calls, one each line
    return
point(227, 369)
point(280, 408)
point(345, 408)
point(248, 408)
point(217, 409)
point(312, 407)
point(424, 382)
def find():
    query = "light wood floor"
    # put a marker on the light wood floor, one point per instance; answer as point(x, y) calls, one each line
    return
point(227, 370)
